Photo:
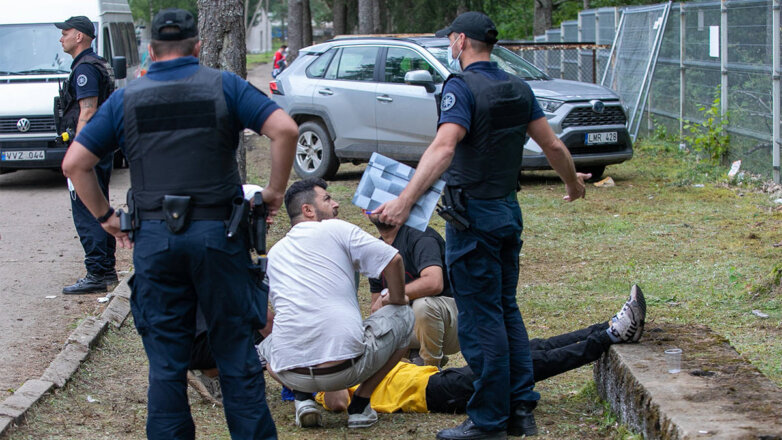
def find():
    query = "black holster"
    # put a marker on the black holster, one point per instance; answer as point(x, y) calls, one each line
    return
point(129, 221)
point(453, 208)
point(258, 233)
point(240, 210)
point(176, 211)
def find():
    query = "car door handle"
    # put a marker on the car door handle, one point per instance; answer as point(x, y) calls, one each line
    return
point(325, 92)
point(385, 98)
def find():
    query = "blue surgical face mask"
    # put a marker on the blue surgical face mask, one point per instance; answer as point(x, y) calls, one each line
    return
point(453, 63)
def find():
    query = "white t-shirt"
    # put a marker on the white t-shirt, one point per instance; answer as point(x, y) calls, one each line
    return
point(313, 291)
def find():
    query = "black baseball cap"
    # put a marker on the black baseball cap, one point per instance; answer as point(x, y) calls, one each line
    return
point(80, 23)
point(178, 24)
point(475, 25)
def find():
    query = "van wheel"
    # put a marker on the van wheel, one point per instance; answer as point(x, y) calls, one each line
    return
point(597, 171)
point(314, 152)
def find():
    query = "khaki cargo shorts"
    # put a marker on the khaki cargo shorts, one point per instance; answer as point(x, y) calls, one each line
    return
point(385, 332)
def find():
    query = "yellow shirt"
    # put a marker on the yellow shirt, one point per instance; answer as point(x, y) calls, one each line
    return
point(403, 389)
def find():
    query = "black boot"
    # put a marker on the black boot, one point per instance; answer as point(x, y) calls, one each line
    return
point(89, 284)
point(522, 420)
point(468, 431)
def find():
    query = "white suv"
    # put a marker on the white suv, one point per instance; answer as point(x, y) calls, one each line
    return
point(355, 96)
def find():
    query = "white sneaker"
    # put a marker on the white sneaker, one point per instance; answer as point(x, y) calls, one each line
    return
point(364, 419)
point(628, 324)
point(308, 414)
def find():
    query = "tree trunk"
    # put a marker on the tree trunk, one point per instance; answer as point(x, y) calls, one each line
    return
point(542, 23)
point(376, 24)
point(295, 28)
point(340, 12)
point(221, 29)
point(306, 22)
point(586, 4)
point(364, 16)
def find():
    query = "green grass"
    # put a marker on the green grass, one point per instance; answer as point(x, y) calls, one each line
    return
point(254, 59)
point(701, 254)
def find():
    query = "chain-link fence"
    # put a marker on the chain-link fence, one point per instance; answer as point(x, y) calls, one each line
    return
point(561, 60)
point(725, 50)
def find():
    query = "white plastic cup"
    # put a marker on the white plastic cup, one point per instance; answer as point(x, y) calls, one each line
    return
point(673, 358)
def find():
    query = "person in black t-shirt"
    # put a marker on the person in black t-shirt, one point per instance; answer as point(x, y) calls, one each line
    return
point(427, 286)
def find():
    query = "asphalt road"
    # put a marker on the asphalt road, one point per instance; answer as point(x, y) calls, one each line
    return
point(39, 254)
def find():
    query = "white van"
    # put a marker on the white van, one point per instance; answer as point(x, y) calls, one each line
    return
point(33, 64)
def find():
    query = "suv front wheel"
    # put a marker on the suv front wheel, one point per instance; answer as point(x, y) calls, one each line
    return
point(314, 152)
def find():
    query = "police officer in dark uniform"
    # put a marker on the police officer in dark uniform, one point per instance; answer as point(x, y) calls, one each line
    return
point(484, 116)
point(179, 127)
point(89, 85)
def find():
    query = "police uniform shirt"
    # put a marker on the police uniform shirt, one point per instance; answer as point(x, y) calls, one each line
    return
point(419, 250)
point(85, 80)
point(457, 103)
point(249, 106)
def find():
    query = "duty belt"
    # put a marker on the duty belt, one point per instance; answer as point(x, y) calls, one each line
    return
point(319, 371)
point(196, 213)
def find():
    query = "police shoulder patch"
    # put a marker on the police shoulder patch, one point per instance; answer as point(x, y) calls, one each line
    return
point(81, 80)
point(448, 101)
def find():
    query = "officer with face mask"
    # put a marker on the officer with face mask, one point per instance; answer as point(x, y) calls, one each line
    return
point(485, 114)
point(90, 84)
point(179, 127)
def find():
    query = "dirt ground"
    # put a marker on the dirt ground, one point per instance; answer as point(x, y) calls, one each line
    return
point(40, 253)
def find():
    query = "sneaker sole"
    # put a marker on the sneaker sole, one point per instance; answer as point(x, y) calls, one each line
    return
point(361, 424)
point(310, 419)
point(638, 295)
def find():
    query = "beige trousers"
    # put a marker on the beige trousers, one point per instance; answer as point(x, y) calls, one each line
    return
point(436, 328)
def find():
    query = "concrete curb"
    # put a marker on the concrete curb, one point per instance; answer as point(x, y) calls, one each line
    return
point(75, 351)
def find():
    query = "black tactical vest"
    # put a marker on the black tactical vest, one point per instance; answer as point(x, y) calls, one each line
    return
point(487, 161)
point(68, 107)
point(179, 140)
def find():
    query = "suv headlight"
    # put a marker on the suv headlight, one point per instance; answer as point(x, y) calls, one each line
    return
point(549, 105)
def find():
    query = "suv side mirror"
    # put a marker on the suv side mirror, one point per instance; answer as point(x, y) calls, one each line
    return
point(120, 66)
point(420, 78)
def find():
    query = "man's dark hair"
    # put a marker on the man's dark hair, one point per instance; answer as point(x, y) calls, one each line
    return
point(480, 46)
point(283, 46)
point(301, 192)
point(174, 47)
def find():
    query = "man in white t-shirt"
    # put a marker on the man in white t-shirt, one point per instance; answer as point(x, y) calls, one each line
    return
point(319, 341)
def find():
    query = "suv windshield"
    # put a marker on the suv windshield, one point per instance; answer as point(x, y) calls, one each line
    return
point(32, 49)
point(505, 59)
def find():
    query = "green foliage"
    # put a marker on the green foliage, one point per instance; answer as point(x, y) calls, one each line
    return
point(144, 10)
point(710, 137)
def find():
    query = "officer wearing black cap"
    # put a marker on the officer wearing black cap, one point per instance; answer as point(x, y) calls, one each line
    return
point(485, 114)
point(90, 84)
point(179, 127)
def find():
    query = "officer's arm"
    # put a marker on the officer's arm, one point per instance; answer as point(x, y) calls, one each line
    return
point(283, 132)
point(87, 109)
point(436, 159)
point(559, 157)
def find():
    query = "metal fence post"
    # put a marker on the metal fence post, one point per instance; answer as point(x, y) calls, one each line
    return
point(682, 70)
point(776, 90)
point(723, 57)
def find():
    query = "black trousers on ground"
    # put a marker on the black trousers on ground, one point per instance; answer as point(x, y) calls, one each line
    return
point(449, 390)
